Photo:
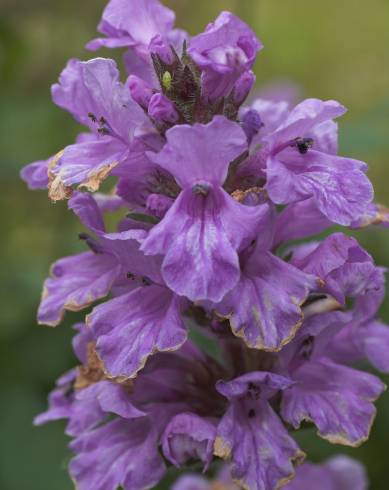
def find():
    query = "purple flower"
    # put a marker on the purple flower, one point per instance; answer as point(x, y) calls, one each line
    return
point(132, 22)
point(346, 269)
point(137, 25)
point(75, 283)
point(300, 163)
point(224, 51)
point(118, 425)
point(201, 233)
point(119, 453)
point(135, 325)
point(201, 250)
point(189, 437)
point(336, 398)
point(337, 473)
point(79, 280)
point(92, 93)
point(251, 434)
point(362, 341)
point(265, 306)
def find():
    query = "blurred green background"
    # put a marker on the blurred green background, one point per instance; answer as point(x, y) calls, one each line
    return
point(329, 49)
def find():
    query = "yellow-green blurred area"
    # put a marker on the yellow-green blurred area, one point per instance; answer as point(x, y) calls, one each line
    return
point(329, 49)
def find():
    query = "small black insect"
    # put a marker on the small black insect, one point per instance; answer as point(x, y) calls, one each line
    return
point(251, 413)
point(303, 144)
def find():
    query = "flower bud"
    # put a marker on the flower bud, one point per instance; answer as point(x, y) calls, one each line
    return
point(242, 87)
point(162, 109)
point(161, 49)
point(140, 91)
point(158, 204)
point(251, 123)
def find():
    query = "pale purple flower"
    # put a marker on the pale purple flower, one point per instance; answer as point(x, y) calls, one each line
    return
point(202, 249)
point(337, 473)
point(250, 429)
point(136, 25)
point(203, 230)
point(300, 161)
point(92, 93)
point(224, 51)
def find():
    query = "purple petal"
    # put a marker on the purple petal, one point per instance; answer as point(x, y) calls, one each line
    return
point(60, 400)
point(272, 114)
point(340, 189)
point(304, 118)
point(253, 437)
point(130, 22)
point(189, 437)
point(206, 149)
point(81, 340)
point(90, 91)
point(86, 209)
point(133, 326)
point(337, 473)
point(368, 341)
point(162, 109)
point(225, 50)
point(87, 164)
point(35, 174)
point(110, 398)
point(120, 453)
point(375, 214)
point(337, 399)
point(300, 220)
point(347, 270)
point(191, 482)
point(265, 306)
point(199, 236)
point(77, 281)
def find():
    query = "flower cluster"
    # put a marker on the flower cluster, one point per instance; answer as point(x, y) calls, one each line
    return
point(213, 195)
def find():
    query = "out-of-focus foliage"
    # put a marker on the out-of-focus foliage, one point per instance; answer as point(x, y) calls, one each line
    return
point(329, 49)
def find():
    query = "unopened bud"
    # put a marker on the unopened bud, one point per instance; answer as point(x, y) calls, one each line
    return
point(161, 49)
point(162, 109)
point(251, 124)
point(242, 87)
point(140, 91)
point(158, 204)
